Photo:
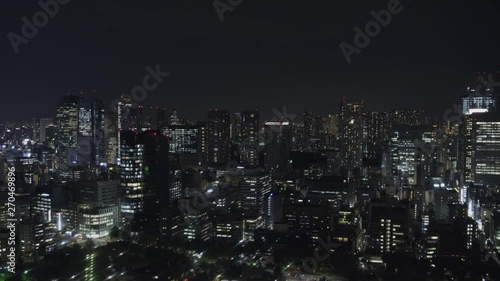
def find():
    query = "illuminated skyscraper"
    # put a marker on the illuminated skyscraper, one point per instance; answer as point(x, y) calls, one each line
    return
point(111, 144)
point(486, 149)
point(253, 191)
point(351, 134)
point(144, 173)
point(218, 136)
point(277, 150)
point(475, 102)
point(66, 139)
point(376, 130)
point(67, 121)
point(249, 148)
point(472, 106)
point(91, 129)
point(132, 175)
point(182, 138)
point(404, 154)
point(389, 227)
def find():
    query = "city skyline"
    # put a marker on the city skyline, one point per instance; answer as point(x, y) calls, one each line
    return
point(248, 140)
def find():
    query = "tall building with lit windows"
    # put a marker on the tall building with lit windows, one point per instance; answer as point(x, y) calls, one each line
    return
point(67, 121)
point(351, 134)
point(389, 226)
point(486, 149)
point(306, 217)
point(218, 136)
point(476, 102)
point(182, 138)
point(66, 138)
point(254, 189)
point(472, 106)
point(197, 227)
point(403, 156)
point(96, 221)
point(249, 146)
point(411, 154)
point(144, 173)
point(80, 132)
point(91, 129)
point(132, 175)
point(376, 130)
point(278, 145)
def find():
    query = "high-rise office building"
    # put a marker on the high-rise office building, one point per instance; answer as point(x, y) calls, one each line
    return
point(443, 197)
point(91, 130)
point(39, 129)
point(182, 138)
point(96, 221)
point(474, 102)
point(306, 217)
point(404, 152)
point(249, 146)
point(51, 135)
point(254, 189)
point(67, 121)
point(351, 134)
point(376, 130)
point(66, 141)
point(236, 127)
point(218, 136)
point(389, 227)
point(278, 145)
point(132, 175)
point(160, 117)
point(472, 106)
point(111, 145)
point(98, 192)
point(486, 149)
point(308, 125)
point(44, 123)
point(144, 173)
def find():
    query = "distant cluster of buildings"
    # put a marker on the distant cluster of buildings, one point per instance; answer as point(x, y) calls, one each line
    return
point(371, 182)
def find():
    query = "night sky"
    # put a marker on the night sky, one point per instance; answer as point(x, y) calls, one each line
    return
point(264, 54)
